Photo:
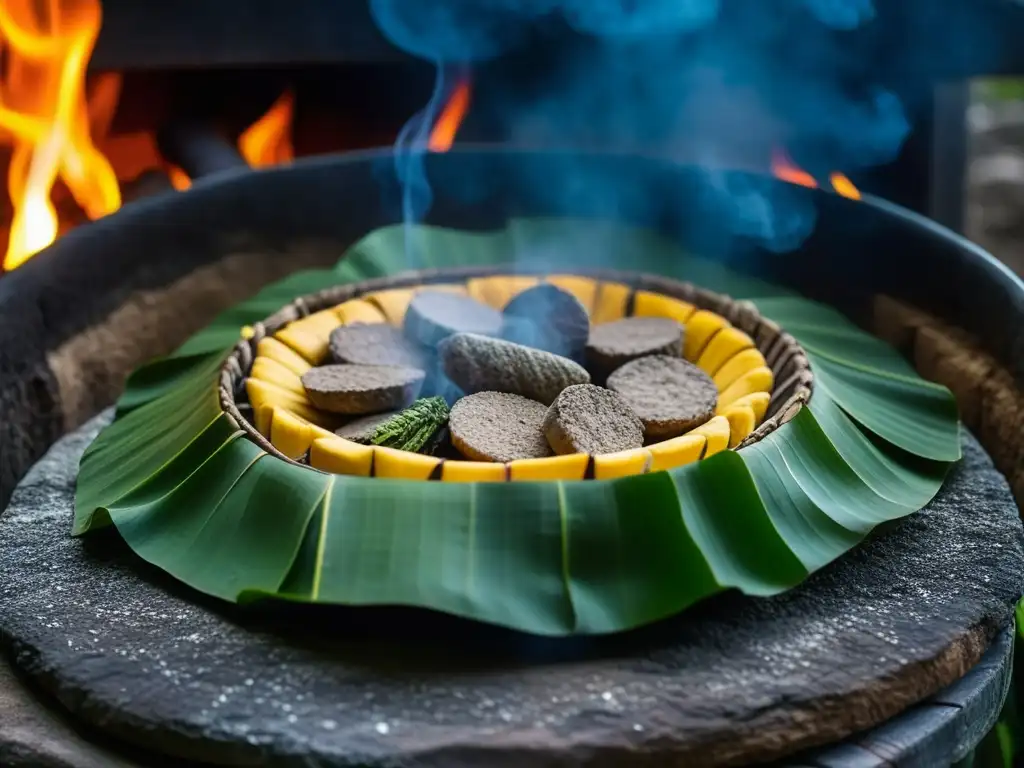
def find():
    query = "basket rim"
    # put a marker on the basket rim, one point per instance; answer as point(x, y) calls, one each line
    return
point(782, 352)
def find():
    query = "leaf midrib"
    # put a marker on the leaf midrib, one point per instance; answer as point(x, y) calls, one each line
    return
point(321, 545)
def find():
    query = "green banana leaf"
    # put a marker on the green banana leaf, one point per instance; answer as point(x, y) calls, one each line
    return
point(194, 497)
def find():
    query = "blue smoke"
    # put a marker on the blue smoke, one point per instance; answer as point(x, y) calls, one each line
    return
point(710, 82)
point(409, 155)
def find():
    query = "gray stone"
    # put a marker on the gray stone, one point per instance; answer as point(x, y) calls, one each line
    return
point(355, 390)
point(482, 364)
point(735, 680)
point(34, 737)
point(548, 318)
point(376, 344)
point(588, 419)
point(612, 345)
point(498, 426)
point(435, 315)
point(670, 395)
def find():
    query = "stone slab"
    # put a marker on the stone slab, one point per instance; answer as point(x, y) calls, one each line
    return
point(132, 654)
point(936, 733)
point(32, 735)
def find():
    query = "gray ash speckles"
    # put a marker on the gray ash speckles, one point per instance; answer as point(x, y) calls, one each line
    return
point(153, 663)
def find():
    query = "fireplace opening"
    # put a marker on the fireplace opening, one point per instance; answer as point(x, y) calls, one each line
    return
point(83, 132)
point(264, 115)
point(77, 142)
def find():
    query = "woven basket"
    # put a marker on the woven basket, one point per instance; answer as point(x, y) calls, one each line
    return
point(793, 377)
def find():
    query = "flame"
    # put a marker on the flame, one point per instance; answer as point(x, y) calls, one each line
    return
point(268, 141)
point(451, 117)
point(44, 116)
point(844, 186)
point(785, 169)
point(179, 179)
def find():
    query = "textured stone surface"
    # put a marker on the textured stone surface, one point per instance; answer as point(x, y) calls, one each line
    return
point(481, 364)
point(612, 345)
point(138, 656)
point(498, 426)
point(376, 344)
point(362, 389)
point(938, 731)
point(34, 737)
point(670, 395)
point(589, 419)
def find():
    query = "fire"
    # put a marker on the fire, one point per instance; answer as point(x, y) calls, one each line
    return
point(179, 179)
point(44, 118)
point(268, 141)
point(451, 117)
point(50, 126)
point(844, 186)
point(785, 169)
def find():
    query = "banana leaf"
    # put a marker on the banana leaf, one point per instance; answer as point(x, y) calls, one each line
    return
point(191, 495)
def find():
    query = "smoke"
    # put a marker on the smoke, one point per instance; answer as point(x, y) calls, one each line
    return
point(416, 195)
point(718, 83)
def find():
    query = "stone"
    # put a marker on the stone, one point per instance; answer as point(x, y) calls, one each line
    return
point(32, 736)
point(497, 426)
point(548, 318)
point(435, 315)
point(361, 430)
point(483, 364)
point(612, 345)
point(946, 726)
point(361, 389)
point(137, 657)
point(670, 395)
point(589, 419)
point(376, 344)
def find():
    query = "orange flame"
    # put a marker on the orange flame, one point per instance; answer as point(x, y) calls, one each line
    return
point(785, 169)
point(268, 141)
point(178, 178)
point(44, 116)
point(844, 186)
point(451, 117)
